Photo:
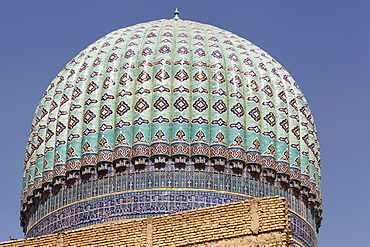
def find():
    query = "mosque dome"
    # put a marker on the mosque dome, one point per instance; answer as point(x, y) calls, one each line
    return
point(167, 116)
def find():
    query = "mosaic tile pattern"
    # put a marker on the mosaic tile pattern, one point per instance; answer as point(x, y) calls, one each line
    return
point(184, 180)
point(168, 92)
point(127, 205)
point(302, 232)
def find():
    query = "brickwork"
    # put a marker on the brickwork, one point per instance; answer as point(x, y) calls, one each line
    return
point(262, 222)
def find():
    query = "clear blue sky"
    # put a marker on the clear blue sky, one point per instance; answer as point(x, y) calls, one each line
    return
point(325, 45)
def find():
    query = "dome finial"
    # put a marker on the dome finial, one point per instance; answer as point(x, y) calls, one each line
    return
point(176, 13)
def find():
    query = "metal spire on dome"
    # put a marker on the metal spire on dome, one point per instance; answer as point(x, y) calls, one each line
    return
point(176, 13)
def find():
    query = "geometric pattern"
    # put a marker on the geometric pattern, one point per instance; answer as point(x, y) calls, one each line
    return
point(143, 76)
point(236, 81)
point(147, 51)
point(72, 122)
point(125, 78)
point(161, 89)
point(255, 114)
point(160, 119)
point(129, 53)
point(181, 104)
point(162, 75)
point(219, 122)
point(181, 75)
point(216, 54)
point(161, 104)
point(60, 128)
point(200, 104)
point(141, 105)
point(237, 125)
point(219, 106)
point(219, 77)
point(200, 76)
point(122, 108)
point(200, 52)
point(92, 87)
point(267, 90)
point(183, 50)
point(140, 121)
point(284, 124)
point(165, 49)
point(270, 119)
point(89, 116)
point(238, 110)
point(105, 112)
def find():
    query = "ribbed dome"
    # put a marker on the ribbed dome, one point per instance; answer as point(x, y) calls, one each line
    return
point(172, 93)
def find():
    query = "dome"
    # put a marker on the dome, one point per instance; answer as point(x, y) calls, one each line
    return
point(167, 116)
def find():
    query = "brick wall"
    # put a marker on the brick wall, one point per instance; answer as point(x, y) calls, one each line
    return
point(262, 222)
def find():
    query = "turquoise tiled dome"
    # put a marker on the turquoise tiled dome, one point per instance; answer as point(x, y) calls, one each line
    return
point(172, 95)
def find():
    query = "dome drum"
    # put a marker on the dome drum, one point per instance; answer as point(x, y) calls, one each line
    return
point(131, 169)
point(158, 162)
